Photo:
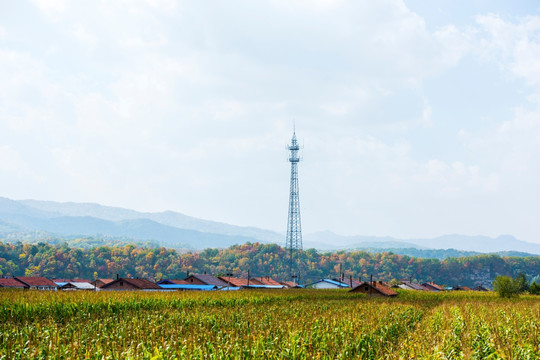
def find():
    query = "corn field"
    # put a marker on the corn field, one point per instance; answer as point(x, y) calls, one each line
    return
point(292, 324)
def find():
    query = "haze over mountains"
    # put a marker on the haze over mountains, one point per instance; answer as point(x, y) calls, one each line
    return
point(171, 229)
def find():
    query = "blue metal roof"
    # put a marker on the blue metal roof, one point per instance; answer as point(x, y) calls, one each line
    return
point(330, 281)
point(188, 287)
point(263, 286)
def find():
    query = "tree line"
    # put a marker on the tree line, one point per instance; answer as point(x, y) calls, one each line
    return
point(63, 261)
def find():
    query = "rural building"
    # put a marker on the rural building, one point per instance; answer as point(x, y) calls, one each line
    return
point(374, 288)
point(480, 288)
point(76, 285)
point(266, 280)
point(256, 286)
point(235, 282)
point(100, 282)
point(37, 282)
point(12, 283)
point(431, 286)
point(409, 285)
point(172, 282)
point(131, 284)
point(187, 287)
point(198, 279)
point(327, 284)
point(290, 285)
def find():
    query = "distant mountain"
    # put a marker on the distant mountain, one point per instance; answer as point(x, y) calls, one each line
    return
point(327, 240)
point(169, 218)
point(442, 254)
point(479, 243)
point(29, 218)
point(22, 217)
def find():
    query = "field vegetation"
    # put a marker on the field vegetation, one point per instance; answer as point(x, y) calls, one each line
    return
point(292, 324)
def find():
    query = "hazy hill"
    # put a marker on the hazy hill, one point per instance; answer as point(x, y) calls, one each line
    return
point(479, 243)
point(169, 218)
point(172, 229)
point(327, 240)
point(21, 217)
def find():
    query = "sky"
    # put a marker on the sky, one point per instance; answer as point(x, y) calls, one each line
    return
point(418, 118)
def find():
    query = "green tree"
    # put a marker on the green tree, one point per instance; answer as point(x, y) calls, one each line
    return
point(506, 287)
point(534, 289)
point(521, 282)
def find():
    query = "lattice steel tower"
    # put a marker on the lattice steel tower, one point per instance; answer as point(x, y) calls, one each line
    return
point(294, 228)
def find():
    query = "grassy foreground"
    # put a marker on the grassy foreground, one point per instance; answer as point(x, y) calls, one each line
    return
point(292, 324)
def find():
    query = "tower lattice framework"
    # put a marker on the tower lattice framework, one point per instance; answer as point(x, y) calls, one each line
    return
point(294, 227)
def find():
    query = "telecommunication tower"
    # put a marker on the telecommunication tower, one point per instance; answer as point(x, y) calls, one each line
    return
point(294, 228)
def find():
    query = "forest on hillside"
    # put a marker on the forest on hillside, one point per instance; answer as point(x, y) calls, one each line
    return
point(63, 261)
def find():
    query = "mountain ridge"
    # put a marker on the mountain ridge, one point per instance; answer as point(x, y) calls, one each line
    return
point(176, 230)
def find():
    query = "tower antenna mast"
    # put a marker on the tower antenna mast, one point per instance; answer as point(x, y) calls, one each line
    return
point(294, 227)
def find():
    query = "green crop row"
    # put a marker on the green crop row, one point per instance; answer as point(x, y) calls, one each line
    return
point(296, 324)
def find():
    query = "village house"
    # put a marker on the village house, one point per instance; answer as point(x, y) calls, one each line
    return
point(203, 279)
point(130, 284)
point(374, 288)
point(265, 282)
point(291, 285)
point(12, 283)
point(327, 284)
point(480, 288)
point(172, 282)
point(76, 285)
point(431, 286)
point(37, 282)
point(187, 287)
point(183, 285)
point(409, 285)
point(100, 282)
point(235, 282)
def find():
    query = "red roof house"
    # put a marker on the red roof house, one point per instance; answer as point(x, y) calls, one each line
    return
point(374, 289)
point(131, 284)
point(265, 280)
point(198, 279)
point(431, 286)
point(37, 282)
point(235, 282)
point(9, 282)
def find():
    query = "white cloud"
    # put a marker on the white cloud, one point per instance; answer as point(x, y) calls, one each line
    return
point(181, 105)
point(52, 8)
point(84, 36)
point(516, 45)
